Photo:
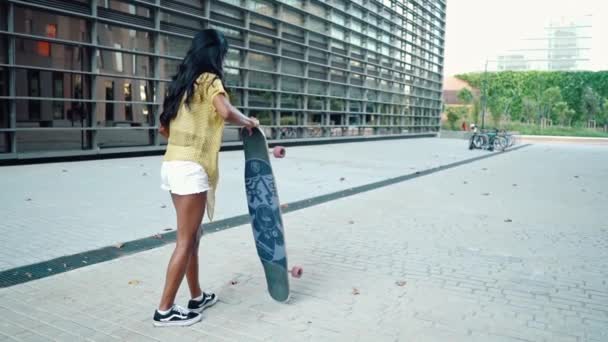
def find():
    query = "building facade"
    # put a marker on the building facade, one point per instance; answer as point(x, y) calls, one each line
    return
point(84, 77)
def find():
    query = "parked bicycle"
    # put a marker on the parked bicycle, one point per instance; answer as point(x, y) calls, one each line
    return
point(492, 140)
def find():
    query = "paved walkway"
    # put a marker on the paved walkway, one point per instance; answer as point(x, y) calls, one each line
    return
point(52, 210)
point(511, 248)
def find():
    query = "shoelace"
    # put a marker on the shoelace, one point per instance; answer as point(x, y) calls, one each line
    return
point(181, 310)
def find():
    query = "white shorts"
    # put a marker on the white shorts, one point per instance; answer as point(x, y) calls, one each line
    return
point(183, 177)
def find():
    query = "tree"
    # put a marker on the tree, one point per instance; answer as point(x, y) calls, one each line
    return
point(499, 106)
point(603, 116)
point(529, 109)
point(562, 113)
point(590, 104)
point(476, 111)
point(549, 99)
point(465, 96)
point(455, 113)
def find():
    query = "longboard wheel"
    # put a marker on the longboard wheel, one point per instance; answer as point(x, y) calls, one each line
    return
point(297, 271)
point(279, 152)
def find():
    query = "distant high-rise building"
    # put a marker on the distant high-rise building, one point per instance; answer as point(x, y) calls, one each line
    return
point(564, 45)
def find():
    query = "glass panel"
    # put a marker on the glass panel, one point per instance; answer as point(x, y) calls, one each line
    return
point(41, 141)
point(123, 138)
point(174, 46)
point(317, 72)
point(51, 25)
point(5, 143)
point(261, 43)
point(45, 113)
point(261, 99)
point(263, 24)
point(261, 62)
point(168, 67)
point(315, 87)
point(338, 90)
point(134, 107)
point(292, 67)
point(291, 101)
point(233, 77)
point(316, 103)
point(127, 8)
point(294, 3)
point(181, 21)
point(61, 85)
point(317, 9)
point(293, 33)
point(261, 80)
point(29, 52)
point(127, 38)
point(293, 50)
point(261, 6)
point(292, 17)
point(125, 63)
point(291, 84)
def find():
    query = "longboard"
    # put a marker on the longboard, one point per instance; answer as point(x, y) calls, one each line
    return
point(265, 211)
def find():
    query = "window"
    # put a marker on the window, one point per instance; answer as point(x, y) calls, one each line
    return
point(293, 68)
point(109, 97)
point(261, 6)
point(58, 108)
point(44, 48)
point(261, 62)
point(110, 35)
point(127, 89)
point(292, 17)
point(33, 78)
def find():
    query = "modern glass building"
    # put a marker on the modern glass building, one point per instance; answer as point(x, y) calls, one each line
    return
point(80, 77)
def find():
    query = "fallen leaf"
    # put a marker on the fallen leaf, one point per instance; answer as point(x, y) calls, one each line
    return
point(508, 220)
point(575, 176)
point(342, 179)
point(84, 262)
point(351, 222)
point(28, 200)
point(157, 236)
point(28, 274)
point(144, 174)
point(233, 282)
point(401, 283)
point(486, 194)
point(355, 291)
point(465, 182)
point(485, 169)
point(168, 229)
point(64, 170)
point(134, 282)
point(514, 184)
point(163, 206)
point(119, 245)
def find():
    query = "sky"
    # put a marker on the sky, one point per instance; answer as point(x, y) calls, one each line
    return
point(480, 30)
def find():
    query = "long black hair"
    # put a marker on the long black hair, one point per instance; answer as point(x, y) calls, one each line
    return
point(206, 54)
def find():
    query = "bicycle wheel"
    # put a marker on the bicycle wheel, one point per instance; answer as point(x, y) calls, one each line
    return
point(500, 143)
point(479, 141)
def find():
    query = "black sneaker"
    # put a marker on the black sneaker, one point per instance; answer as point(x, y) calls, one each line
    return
point(199, 305)
point(177, 316)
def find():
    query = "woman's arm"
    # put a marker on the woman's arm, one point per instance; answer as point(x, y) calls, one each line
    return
point(227, 111)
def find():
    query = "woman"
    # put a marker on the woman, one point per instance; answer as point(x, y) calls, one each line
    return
point(193, 116)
